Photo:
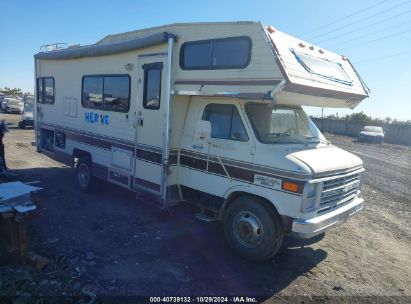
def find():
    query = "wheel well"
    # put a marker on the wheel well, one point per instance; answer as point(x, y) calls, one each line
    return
point(267, 203)
point(77, 154)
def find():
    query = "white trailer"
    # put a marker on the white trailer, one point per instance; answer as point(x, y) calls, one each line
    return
point(208, 113)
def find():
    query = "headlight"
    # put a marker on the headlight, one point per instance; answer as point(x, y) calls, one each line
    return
point(362, 179)
point(309, 197)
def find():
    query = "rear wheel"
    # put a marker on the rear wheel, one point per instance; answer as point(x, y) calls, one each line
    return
point(84, 174)
point(252, 228)
point(22, 124)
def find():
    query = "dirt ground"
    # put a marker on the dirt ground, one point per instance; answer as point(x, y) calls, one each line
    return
point(111, 244)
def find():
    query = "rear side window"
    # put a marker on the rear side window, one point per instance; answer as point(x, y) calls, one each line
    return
point(225, 122)
point(226, 53)
point(45, 90)
point(152, 85)
point(106, 92)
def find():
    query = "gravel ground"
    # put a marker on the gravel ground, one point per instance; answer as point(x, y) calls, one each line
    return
point(111, 244)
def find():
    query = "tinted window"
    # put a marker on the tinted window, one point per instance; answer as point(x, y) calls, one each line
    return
point(92, 96)
point(227, 53)
point(197, 55)
point(152, 85)
point(116, 94)
point(225, 122)
point(108, 93)
point(48, 90)
point(231, 52)
point(40, 90)
point(45, 90)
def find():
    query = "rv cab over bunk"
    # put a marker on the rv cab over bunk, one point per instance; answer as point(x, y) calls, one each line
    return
point(208, 113)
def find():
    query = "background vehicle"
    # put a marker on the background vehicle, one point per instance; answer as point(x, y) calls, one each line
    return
point(28, 113)
point(13, 105)
point(371, 134)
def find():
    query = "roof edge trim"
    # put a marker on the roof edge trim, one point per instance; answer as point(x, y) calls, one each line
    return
point(95, 50)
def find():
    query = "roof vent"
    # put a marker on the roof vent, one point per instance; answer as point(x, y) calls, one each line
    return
point(301, 44)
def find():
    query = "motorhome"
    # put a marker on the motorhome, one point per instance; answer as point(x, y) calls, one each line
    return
point(208, 113)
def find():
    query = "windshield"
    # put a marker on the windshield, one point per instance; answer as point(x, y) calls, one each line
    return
point(373, 129)
point(282, 125)
point(28, 107)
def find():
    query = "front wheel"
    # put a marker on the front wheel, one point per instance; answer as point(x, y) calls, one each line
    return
point(84, 174)
point(252, 228)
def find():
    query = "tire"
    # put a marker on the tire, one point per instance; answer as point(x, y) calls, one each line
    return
point(84, 174)
point(22, 125)
point(252, 228)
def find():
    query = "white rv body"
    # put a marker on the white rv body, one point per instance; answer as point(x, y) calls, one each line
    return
point(169, 151)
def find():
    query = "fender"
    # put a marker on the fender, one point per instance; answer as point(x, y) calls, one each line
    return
point(257, 191)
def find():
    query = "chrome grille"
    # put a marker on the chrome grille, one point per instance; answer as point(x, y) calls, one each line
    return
point(336, 192)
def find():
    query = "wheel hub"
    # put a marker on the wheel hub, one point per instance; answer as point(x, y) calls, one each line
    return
point(248, 229)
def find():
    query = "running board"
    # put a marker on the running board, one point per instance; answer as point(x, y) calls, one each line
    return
point(203, 216)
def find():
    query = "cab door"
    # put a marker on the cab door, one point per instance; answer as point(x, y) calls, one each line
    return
point(227, 161)
point(149, 122)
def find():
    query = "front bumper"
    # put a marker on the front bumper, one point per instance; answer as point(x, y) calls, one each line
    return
point(309, 228)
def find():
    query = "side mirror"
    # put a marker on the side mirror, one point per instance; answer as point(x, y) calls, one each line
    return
point(202, 134)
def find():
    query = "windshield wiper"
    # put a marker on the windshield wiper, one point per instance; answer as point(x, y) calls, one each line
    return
point(319, 139)
point(277, 134)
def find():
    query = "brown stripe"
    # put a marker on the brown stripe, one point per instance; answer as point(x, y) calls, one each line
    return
point(147, 184)
point(100, 171)
point(195, 163)
point(173, 159)
point(88, 135)
point(149, 156)
point(193, 154)
point(265, 82)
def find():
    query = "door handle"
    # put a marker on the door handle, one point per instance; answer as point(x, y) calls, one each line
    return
point(140, 121)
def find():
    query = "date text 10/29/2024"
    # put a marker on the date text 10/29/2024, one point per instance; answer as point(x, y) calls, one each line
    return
point(203, 299)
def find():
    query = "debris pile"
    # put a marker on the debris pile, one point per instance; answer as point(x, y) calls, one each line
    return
point(16, 202)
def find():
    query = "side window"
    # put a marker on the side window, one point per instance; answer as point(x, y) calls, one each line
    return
point(152, 85)
point(225, 53)
point(107, 93)
point(92, 95)
point(225, 122)
point(45, 90)
point(116, 93)
point(40, 90)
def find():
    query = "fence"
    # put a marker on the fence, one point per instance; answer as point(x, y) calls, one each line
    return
point(394, 133)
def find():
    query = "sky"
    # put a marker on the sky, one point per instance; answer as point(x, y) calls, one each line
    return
point(374, 35)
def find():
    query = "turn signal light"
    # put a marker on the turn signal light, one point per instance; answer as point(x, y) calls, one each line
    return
point(289, 186)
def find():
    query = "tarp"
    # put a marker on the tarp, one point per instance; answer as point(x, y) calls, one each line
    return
point(95, 50)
